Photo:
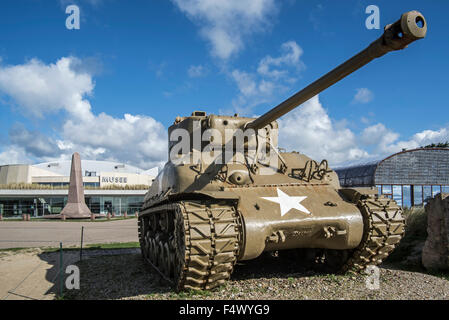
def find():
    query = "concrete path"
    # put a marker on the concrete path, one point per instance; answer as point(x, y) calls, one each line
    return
point(31, 274)
point(21, 234)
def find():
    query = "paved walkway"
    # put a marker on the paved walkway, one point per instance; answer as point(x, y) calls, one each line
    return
point(33, 275)
point(21, 234)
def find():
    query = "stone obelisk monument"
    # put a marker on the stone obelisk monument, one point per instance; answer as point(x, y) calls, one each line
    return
point(76, 206)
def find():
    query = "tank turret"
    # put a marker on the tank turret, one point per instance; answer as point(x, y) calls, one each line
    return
point(229, 194)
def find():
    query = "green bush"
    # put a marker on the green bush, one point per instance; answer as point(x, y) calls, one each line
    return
point(415, 234)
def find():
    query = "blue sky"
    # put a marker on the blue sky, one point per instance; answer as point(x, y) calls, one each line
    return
point(69, 90)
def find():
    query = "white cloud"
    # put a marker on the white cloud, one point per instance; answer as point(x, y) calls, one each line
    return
point(13, 155)
point(378, 135)
point(363, 95)
point(252, 91)
point(137, 139)
point(387, 142)
point(273, 76)
point(290, 57)
point(141, 140)
point(196, 71)
point(33, 142)
point(226, 23)
point(309, 130)
point(40, 89)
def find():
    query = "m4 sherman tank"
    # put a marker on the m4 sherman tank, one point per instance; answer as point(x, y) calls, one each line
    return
point(228, 194)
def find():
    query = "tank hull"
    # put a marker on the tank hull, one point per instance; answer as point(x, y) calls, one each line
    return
point(280, 217)
point(228, 193)
point(195, 244)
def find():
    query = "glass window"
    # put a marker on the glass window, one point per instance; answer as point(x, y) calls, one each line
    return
point(107, 205)
point(14, 207)
point(445, 189)
point(379, 188)
point(427, 193)
point(387, 191)
point(134, 204)
point(94, 204)
point(417, 194)
point(117, 205)
point(56, 205)
point(91, 184)
point(407, 198)
point(397, 194)
point(124, 205)
point(436, 190)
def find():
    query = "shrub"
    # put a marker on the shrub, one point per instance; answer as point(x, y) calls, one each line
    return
point(415, 235)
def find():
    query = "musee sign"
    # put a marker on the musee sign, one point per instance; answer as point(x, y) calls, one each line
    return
point(114, 180)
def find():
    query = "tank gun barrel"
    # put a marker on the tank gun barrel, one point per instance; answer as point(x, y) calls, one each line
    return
point(410, 27)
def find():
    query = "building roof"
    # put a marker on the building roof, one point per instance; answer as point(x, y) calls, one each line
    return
point(63, 167)
point(423, 166)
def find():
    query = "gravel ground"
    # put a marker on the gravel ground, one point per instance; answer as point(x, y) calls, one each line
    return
point(126, 277)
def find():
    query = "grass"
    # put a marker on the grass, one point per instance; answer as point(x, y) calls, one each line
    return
point(99, 246)
point(102, 219)
point(117, 245)
point(415, 233)
point(189, 294)
point(333, 278)
point(95, 246)
point(441, 275)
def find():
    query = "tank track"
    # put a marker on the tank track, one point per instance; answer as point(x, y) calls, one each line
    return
point(193, 245)
point(384, 227)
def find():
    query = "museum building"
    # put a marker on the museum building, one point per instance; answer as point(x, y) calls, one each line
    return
point(42, 189)
point(410, 177)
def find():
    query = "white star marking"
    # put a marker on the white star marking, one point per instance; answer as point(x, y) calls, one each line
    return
point(287, 203)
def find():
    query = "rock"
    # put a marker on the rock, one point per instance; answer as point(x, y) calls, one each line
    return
point(435, 254)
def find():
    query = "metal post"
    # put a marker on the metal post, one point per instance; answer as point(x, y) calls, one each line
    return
point(60, 270)
point(81, 250)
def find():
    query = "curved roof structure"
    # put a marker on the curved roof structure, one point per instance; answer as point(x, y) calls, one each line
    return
point(63, 167)
point(423, 166)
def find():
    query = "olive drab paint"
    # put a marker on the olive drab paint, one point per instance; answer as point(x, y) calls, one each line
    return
point(199, 217)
